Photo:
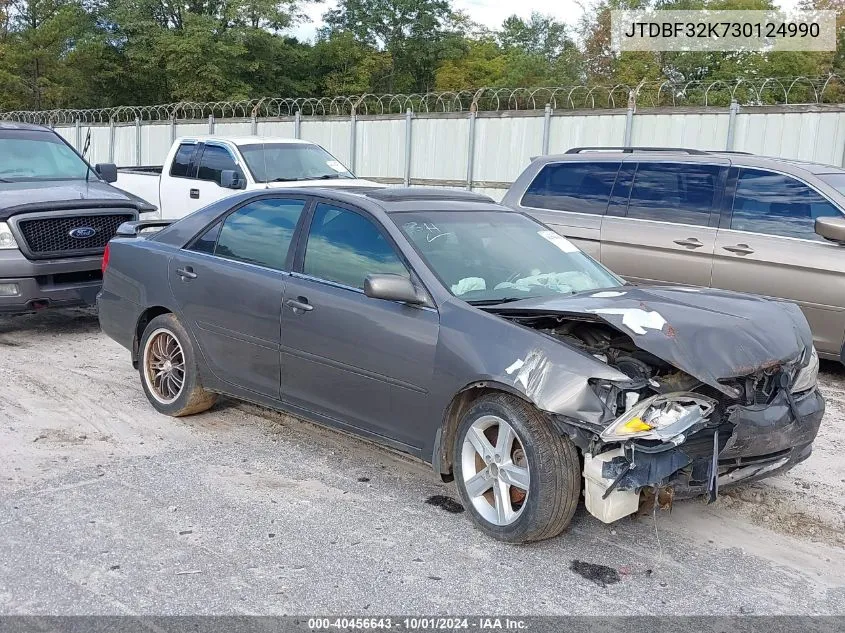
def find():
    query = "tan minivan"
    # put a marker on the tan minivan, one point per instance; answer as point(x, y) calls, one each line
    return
point(769, 226)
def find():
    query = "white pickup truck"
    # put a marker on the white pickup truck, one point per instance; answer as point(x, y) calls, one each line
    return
point(200, 170)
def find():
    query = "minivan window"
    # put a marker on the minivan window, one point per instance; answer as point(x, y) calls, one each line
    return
point(776, 204)
point(260, 232)
point(681, 193)
point(214, 160)
point(571, 186)
point(345, 247)
point(181, 166)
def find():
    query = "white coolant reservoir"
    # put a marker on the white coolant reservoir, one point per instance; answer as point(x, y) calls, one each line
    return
point(619, 503)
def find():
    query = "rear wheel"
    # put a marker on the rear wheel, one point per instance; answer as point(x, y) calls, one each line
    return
point(168, 369)
point(519, 479)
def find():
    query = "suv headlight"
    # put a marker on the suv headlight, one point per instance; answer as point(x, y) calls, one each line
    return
point(807, 376)
point(663, 417)
point(7, 240)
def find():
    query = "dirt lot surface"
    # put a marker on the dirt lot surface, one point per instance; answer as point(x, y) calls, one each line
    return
point(107, 507)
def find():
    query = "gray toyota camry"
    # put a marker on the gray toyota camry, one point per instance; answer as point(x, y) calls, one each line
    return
point(472, 337)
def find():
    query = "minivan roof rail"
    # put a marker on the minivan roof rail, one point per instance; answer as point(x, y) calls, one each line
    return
point(631, 150)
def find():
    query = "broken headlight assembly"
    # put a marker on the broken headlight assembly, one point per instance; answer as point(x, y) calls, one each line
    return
point(807, 375)
point(664, 417)
point(7, 240)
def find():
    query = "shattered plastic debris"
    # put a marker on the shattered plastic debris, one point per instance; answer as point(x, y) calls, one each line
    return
point(602, 575)
point(446, 503)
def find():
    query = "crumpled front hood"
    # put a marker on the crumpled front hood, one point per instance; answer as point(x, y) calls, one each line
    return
point(23, 197)
point(709, 334)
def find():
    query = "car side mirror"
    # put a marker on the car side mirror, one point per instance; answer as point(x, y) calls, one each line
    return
point(831, 228)
point(392, 288)
point(231, 179)
point(106, 171)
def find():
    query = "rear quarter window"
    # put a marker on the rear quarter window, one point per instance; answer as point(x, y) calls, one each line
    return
point(572, 186)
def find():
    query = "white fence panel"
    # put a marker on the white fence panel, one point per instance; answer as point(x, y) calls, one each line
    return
point(693, 130)
point(380, 148)
point(233, 128)
point(124, 145)
point(504, 146)
point(281, 129)
point(332, 134)
point(155, 143)
point(569, 131)
point(98, 152)
point(69, 134)
point(439, 148)
point(815, 136)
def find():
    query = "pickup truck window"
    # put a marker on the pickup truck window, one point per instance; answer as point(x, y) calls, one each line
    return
point(38, 155)
point(282, 162)
point(214, 160)
point(181, 167)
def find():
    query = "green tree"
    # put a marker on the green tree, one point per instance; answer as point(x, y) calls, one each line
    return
point(414, 33)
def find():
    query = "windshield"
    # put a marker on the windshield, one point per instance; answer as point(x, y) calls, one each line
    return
point(283, 162)
point(500, 256)
point(37, 155)
point(837, 181)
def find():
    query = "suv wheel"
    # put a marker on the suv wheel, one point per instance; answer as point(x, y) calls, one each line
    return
point(519, 479)
point(168, 369)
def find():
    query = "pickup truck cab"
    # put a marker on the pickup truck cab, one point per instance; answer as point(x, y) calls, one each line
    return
point(200, 170)
point(57, 213)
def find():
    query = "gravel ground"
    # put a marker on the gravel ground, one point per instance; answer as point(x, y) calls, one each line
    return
point(107, 507)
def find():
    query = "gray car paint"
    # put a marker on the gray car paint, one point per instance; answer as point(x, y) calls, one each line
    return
point(392, 371)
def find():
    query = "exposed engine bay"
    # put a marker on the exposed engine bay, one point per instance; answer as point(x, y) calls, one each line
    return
point(667, 432)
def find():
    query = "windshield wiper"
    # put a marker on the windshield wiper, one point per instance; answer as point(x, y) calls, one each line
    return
point(492, 302)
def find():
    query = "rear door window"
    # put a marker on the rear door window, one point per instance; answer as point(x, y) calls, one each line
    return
point(776, 204)
point(258, 233)
point(681, 193)
point(181, 166)
point(214, 160)
point(572, 186)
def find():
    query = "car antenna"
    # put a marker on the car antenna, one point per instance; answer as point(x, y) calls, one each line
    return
point(85, 149)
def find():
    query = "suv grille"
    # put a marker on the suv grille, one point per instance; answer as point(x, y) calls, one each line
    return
point(49, 236)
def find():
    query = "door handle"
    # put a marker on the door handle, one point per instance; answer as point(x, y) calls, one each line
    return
point(692, 242)
point(186, 273)
point(300, 303)
point(195, 193)
point(739, 249)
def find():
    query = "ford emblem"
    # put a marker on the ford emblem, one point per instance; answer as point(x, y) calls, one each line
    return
point(82, 232)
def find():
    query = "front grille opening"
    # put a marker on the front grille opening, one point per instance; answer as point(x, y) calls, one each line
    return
point(81, 277)
point(71, 234)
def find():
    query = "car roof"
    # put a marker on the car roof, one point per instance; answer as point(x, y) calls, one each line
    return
point(404, 199)
point(686, 155)
point(245, 140)
point(15, 125)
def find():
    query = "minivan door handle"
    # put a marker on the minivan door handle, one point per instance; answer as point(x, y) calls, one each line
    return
point(300, 303)
point(195, 193)
point(739, 249)
point(691, 242)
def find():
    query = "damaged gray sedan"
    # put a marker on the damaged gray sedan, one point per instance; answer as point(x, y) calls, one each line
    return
point(470, 336)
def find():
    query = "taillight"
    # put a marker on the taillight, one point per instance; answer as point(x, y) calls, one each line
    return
point(105, 263)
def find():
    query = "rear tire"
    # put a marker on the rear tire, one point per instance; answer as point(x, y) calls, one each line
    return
point(168, 369)
point(524, 483)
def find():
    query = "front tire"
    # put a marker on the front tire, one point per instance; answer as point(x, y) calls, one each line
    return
point(518, 477)
point(168, 369)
